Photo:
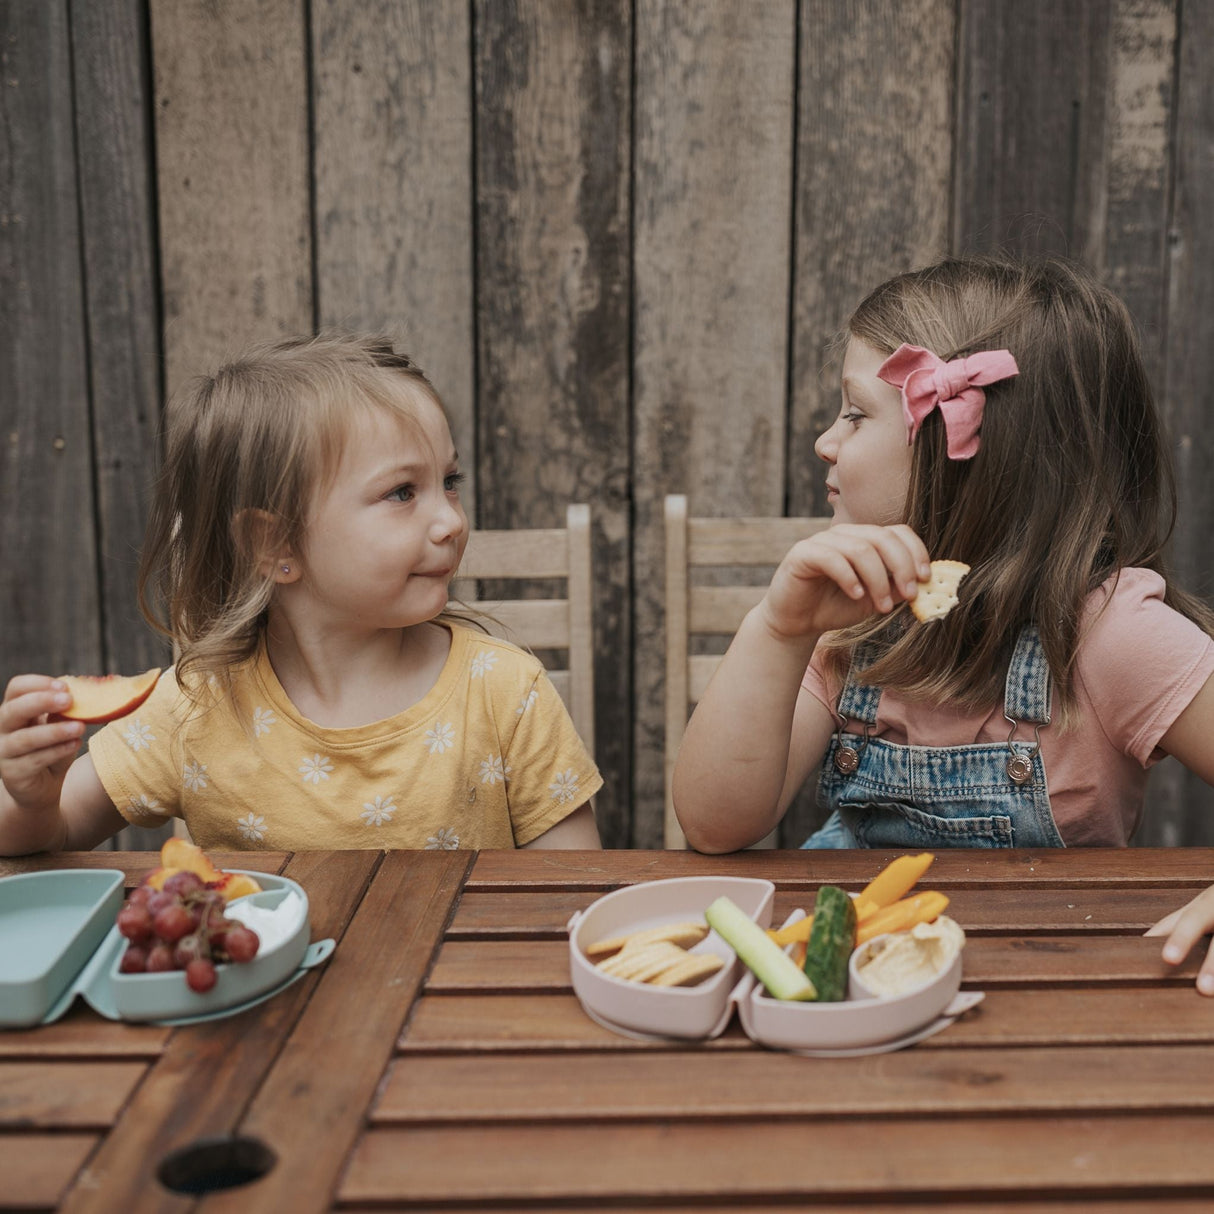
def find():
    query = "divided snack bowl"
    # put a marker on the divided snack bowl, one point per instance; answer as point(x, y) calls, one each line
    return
point(695, 1011)
point(165, 996)
point(860, 1020)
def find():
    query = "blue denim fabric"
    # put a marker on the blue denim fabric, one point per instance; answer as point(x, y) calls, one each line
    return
point(947, 796)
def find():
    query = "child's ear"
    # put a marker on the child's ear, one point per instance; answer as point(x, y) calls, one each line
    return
point(261, 538)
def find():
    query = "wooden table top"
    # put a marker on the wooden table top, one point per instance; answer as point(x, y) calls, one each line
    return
point(440, 1058)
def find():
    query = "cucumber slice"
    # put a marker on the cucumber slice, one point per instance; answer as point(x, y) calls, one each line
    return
point(831, 940)
point(778, 972)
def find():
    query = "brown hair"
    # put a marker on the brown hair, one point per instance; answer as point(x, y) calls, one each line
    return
point(1072, 480)
point(254, 440)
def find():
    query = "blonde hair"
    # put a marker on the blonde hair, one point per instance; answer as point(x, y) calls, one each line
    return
point(1071, 483)
point(246, 451)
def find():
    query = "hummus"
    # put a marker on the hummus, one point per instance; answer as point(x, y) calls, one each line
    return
point(273, 924)
point(903, 961)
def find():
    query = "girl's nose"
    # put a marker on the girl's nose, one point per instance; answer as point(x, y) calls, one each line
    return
point(449, 520)
point(826, 447)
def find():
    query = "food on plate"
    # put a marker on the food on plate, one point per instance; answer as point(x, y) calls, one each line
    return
point(887, 887)
point(782, 977)
point(182, 856)
point(830, 943)
point(901, 962)
point(903, 915)
point(98, 698)
point(683, 934)
point(938, 595)
point(662, 963)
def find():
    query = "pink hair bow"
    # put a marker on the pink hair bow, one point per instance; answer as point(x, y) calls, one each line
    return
point(928, 382)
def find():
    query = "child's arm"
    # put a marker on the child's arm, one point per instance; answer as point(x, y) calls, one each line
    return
point(576, 832)
point(47, 802)
point(1190, 740)
point(755, 736)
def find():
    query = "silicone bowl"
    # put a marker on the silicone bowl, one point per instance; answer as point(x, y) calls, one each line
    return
point(694, 1012)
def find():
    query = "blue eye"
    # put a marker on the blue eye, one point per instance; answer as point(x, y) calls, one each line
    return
point(402, 493)
point(453, 480)
point(854, 416)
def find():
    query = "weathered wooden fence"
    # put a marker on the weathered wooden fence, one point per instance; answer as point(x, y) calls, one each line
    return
point(620, 235)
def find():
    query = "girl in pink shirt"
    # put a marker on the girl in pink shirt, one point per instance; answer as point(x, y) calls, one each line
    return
point(997, 413)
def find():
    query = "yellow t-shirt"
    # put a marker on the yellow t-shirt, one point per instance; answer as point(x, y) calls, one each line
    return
point(487, 758)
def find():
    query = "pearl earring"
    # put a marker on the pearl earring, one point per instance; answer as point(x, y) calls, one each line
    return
point(286, 568)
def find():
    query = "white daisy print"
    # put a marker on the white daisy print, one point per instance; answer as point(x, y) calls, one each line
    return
point(143, 805)
point(263, 718)
point(194, 776)
point(529, 699)
point(315, 769)
point(483, 662)
point(440, 738)
point(252, 827)
point(379, 811)
point(565, 786)
point(444, 840)
point(139, 736)
point(493, 770)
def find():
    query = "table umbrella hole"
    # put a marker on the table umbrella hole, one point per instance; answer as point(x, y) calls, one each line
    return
point(212, 1164)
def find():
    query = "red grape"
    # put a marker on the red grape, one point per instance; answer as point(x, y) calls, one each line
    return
point(200, 975)
point(174, 922)
point(135, 923)
point(140, 895)
point(160, 959)
point(241, 943)
point(134, 960)
point(183, 883)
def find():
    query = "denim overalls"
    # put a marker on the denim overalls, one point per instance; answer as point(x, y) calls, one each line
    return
point(948, 796)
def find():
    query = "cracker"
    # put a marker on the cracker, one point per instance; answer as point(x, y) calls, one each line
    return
point(639, 964)
point(682, 934)
point(938, 595)
point(695, 967)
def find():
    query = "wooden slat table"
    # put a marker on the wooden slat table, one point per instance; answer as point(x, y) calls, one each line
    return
point(440, 1060)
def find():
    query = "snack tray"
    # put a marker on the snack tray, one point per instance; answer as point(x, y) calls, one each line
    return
point(58, 941)
point(860, 1024)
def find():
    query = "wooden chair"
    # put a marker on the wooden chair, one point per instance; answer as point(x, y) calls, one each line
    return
point(739, 555)
point(542, 624)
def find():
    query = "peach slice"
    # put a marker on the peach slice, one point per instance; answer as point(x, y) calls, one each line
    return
point(178, 853)
point(97, 698)
point(235, 885)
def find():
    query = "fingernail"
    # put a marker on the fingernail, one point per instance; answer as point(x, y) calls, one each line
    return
point(58, 685)
point(1173, 954)
point(62, 700)
point(885, 604)
point(1205, 984)
point(911, 589)
point(857, 592)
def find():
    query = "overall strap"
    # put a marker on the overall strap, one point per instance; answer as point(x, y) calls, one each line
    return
point(1026, 694)
point(858, 701)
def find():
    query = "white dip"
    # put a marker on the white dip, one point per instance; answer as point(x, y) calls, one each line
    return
point(274, 924)
point(902, 961)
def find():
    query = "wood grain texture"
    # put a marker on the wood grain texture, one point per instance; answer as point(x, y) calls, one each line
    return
point(66, 1095)
point(715, 87)
point(206, 1076)
point(37, 1168)
point(393, 153)
point(552, 153)
point(310, 1110)
point(231, 106)
point(50, 607)
point(764, 1159)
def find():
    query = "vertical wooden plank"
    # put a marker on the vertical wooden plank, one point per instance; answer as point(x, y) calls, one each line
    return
point(1031, 137)
point(552, 143)
point(713, 196)
point(232, 175)
point(874, 152)
point(112, 105)
point(393, 142)
point(1186, 817)
point(49, 618)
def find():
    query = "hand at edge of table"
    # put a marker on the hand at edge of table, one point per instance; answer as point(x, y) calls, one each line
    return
point(1184, 928)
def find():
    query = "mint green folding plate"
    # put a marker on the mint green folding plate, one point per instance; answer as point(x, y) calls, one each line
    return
point(165, 998)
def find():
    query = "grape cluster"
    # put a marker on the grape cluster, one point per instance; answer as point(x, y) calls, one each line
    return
point(182, 927)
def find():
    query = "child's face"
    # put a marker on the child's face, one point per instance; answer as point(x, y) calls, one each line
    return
point(386, 535)
point(866, 446)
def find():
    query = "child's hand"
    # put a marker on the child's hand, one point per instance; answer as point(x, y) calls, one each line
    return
point(842, 575)
point(35, 753)
point(1184, 928)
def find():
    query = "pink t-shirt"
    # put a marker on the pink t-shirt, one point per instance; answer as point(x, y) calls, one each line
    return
point(1139, 666)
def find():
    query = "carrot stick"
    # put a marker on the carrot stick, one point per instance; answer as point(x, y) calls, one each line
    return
point(903, 915)
point(896, 879)
point(793, 933)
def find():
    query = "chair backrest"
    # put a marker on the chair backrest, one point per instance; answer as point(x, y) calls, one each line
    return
point(744, 552)
point(545, 625)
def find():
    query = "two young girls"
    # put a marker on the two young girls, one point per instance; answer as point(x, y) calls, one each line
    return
point(995, 413)
point(306, 528)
